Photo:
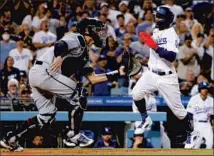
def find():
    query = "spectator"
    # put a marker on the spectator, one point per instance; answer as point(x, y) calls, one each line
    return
point(207, 61)
point(7, 73)
point(189, 21)
point(90, 5)
point(102, 89)
point(111, 14)
point(53, 23)
point(20, 10)
point(121, 30)
point(78, 14)
point(27, 35)
point(188, 59)
point(64, 10)
point(191, 78)
point(123, 8)
point(140, 142)
point(37, 142)
point(22, 56)
point(196, 29)
point(29, 17)
point(148, 17)
point(6, 45)
point(110, 52)
point(39, 17)
point(185, 88)
point(106, 141)
point(26, 100)
point(13, 87)
point(110, 29)
point(210, 45)
point(194, 89)
point(176, 9)
point(130, 29)
point(43, 39)
point(140, 48)
point(123, 80)
point(85, 14)
point(7, 21)
point(178, 20)
point(62, 29)
point(198, 44)
point(181, 32)
point(127, 39)
point(147, 5)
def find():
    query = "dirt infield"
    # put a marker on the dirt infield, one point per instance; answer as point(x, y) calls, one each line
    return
point(78, 151)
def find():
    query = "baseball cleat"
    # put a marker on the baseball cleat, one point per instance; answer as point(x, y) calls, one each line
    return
point(144, 126)
point(194, 140)
point(11, 146)
point(78, 140)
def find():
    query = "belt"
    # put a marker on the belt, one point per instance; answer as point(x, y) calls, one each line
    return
point(161, 73)
point(39, 62)
point(204, 121)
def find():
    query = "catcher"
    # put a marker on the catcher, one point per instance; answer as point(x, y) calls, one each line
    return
point(53, 75)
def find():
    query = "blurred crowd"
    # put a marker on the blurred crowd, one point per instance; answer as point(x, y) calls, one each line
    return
point(29, 27)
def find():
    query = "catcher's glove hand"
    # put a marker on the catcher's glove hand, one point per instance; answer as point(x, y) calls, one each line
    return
point(131, 65)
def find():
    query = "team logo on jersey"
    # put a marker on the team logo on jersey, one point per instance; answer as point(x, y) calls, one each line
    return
point(160, 41)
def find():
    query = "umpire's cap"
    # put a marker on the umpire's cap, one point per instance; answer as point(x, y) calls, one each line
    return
point(203, 85)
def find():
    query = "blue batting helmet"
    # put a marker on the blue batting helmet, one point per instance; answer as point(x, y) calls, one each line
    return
point(166, 17)
point(203, 85)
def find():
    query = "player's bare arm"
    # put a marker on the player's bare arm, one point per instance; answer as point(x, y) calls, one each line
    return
point(56, 65)
point(98, 78)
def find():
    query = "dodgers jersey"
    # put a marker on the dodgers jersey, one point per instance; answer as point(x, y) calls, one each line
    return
point(167, 39)
point(200, 109)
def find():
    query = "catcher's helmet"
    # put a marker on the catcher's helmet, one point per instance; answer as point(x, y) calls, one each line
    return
point(166, 17)
point(203, 85)
point(95, 29)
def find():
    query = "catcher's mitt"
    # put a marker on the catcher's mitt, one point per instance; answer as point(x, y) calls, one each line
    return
point(132, 66)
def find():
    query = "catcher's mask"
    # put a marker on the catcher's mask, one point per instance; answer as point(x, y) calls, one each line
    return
point(95, 29)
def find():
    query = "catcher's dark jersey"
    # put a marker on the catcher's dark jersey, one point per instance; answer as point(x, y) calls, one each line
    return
point(77, 59)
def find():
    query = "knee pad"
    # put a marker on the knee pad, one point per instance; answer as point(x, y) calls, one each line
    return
point(75, 119)
point(46, 119)
point(80, 99)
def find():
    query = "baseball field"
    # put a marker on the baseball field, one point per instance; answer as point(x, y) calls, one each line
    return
point(77, 151)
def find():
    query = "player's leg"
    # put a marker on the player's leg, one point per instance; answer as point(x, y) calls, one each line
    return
point(146, 84)
point(207, 133)
point(168, 87)
point(44, 119)
point(54, 83)
point(165, 141)
point(73, 137)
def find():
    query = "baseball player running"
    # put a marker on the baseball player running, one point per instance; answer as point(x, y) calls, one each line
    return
point(161, 75)
point(53, 76)
point(201, 107)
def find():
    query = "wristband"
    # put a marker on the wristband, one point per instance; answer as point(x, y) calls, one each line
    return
point(112, 76)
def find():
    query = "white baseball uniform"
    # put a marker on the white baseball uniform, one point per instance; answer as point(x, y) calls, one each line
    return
point(201, 110)
point(151, 106)
point(167, 84)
